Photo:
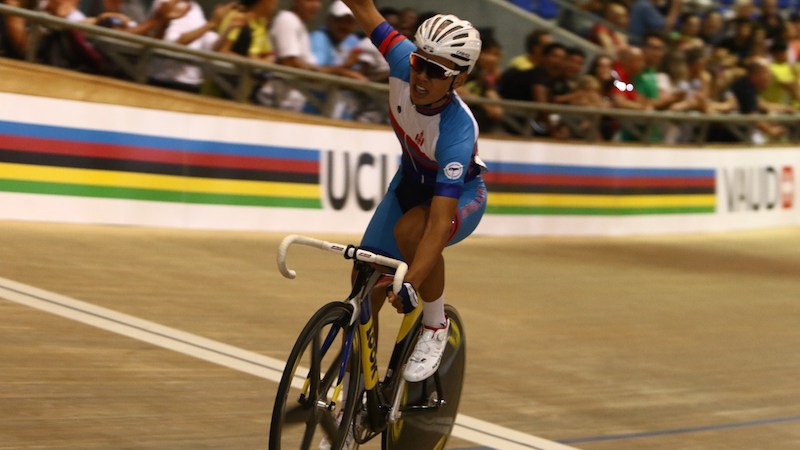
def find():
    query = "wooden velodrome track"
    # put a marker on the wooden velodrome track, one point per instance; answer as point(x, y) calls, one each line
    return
point(667, 342)
point(672, 342)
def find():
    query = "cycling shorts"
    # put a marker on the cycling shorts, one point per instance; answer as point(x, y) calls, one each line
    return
point(402, 196)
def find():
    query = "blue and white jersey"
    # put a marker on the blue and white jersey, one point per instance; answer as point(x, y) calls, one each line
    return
point(439, 144)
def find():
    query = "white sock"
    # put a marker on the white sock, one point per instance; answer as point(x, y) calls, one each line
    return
point(433, 313)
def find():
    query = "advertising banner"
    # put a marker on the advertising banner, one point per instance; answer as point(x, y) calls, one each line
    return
point(70, 161)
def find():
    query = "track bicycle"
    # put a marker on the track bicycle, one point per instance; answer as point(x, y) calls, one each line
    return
point(331, 387)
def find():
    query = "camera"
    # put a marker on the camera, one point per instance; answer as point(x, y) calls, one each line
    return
point(111, 22)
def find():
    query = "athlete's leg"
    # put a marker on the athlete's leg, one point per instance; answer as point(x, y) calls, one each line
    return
point(409, 230)
point(378, 238)
point(411, 226)
point(408, 233)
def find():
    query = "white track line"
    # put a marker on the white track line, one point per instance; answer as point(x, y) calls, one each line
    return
point(467, 428)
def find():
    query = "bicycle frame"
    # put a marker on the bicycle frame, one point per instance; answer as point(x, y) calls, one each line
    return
point(376, 399)
point(383, 399)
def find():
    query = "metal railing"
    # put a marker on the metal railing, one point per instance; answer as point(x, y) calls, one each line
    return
point(133, 55)
point(237, 76)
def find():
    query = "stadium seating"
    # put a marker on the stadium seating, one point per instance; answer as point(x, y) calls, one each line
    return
point(546, 9)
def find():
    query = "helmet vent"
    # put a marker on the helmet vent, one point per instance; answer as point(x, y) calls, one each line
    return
point(451, 38)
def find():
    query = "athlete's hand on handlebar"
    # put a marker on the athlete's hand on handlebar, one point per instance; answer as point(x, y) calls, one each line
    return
point(404, 301)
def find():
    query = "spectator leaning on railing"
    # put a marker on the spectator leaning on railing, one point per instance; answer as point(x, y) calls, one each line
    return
point(708, 61)
point(135, 10)
point(535, 42)
point(700, 84)
point(515, 81)
point(747, 90)
point(241, 28)
point(602, 69)
point(244, 30)
point(482, 82)
point(14, 31)
point(367, 60)
point(69, 48)
point(628, 66)
point(153, 25)
point(193, 31)
point(548, 82)
point(332, 44)
point(654, 48)
point(784, 87)
point(293, 48)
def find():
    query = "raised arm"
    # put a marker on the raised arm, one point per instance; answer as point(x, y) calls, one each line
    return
point(366, 14)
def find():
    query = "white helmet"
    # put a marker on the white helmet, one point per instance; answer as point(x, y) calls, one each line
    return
point(451, 38)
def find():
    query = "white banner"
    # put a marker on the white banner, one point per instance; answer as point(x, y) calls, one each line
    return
point(80, 162)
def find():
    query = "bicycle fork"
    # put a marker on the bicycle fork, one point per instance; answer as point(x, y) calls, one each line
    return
point(409, 328)
point(369, 363)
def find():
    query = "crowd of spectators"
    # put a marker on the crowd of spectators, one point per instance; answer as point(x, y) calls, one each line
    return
point(658, 55)
point(254, 29)
point(670, 55)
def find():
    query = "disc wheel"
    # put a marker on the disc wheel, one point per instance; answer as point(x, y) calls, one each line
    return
point(305, 413)
point(429, 429)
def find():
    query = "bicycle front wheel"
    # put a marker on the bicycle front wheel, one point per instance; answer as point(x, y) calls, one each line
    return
point(310, 410)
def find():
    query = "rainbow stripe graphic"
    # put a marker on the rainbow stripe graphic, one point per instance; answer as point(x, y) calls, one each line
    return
point(543, 189)
point(42, 159)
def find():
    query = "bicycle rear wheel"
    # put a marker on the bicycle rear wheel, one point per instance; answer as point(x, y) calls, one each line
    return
point(308, 407)
point(429, 428)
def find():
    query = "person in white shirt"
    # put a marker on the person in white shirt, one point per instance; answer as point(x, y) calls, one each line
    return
point(292, 43)
point(194, 31)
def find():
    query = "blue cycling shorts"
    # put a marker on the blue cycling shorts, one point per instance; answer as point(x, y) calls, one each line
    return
point(379, 236)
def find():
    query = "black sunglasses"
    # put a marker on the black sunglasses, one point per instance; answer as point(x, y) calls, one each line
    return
point(431, 68)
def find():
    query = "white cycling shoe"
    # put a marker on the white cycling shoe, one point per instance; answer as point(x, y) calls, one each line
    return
point(427, 353)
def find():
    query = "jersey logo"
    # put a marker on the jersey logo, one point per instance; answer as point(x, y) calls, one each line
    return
point(420, 138)
point(453, 170)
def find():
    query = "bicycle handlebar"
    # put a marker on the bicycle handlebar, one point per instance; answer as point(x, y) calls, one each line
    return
point(348, 251)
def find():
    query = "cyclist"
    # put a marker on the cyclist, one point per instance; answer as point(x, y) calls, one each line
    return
point(437, 197)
